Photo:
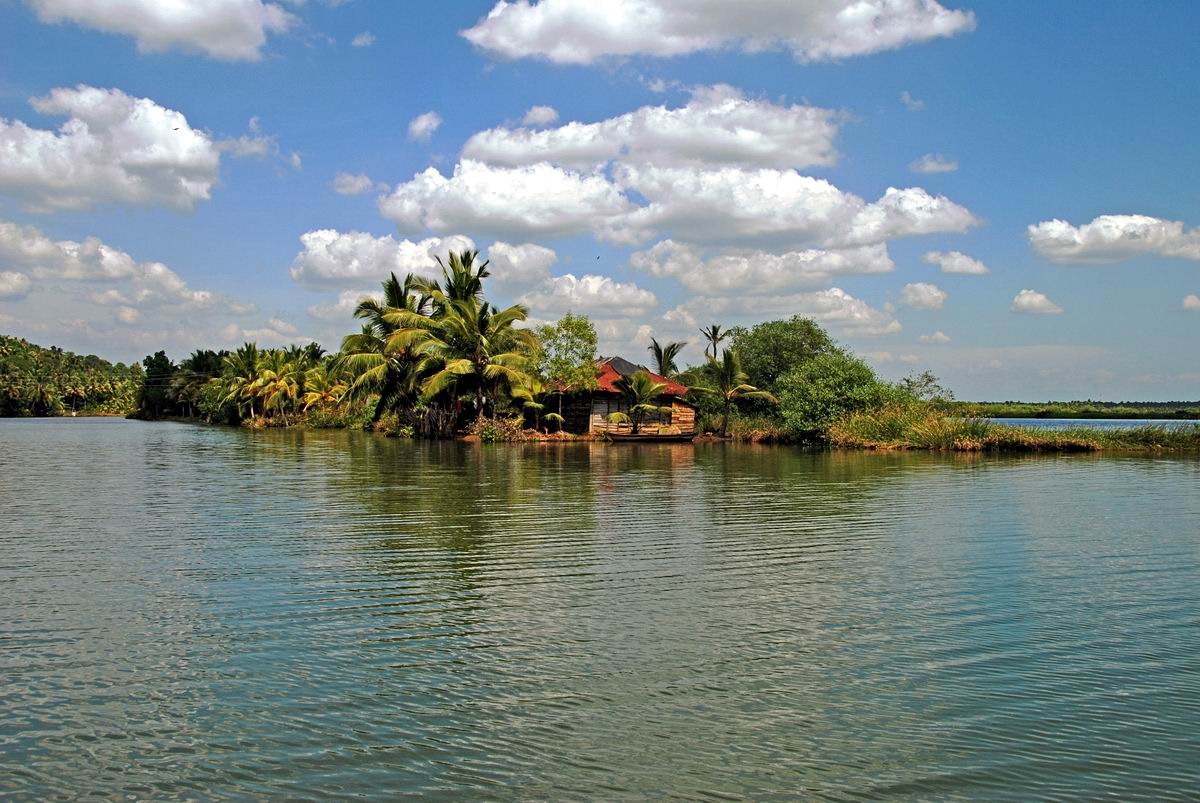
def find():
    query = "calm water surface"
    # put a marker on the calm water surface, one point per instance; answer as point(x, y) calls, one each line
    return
point(211, 613)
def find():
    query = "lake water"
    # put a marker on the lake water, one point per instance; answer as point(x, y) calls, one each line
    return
point(212, 613)
point(1094, 423)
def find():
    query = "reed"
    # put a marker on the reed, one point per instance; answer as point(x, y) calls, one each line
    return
point(923, 426)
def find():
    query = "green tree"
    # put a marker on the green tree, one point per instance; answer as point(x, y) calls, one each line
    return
point(640, 394)
point(713, 336)
point(664, 356)
point(567, 356)
point(730, 383)
point(154, 398)
point(774, 348)
point(825, 388)
point(926, 387)
point(239, 373)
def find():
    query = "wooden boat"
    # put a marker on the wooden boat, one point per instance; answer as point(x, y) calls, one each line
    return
point(650, 437)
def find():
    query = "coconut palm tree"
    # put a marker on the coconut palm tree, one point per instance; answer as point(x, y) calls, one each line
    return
point(278, 382)
point(664, 356)
point(239, 372)
point(714, 336)
point(470, 342)
point(730, 383)
point(640, 394)
point(323, 386)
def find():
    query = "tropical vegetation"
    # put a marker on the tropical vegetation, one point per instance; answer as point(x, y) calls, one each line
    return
point(36, 381)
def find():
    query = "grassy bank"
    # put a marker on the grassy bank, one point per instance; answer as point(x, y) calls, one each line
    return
point(1179, 411)
point(927, 427)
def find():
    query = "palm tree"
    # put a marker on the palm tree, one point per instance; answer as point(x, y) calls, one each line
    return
point(471, 341)
point(239, 372)
point(278, 381)
point(323, 386)
point(730, 383)
point(664, 356)
point(640, 393)
point(714, 336)
point(365, 355)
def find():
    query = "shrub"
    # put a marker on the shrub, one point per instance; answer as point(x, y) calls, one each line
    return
point(828, 388)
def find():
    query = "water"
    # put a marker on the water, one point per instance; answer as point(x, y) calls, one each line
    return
point(1094, 423)
point(212, 613)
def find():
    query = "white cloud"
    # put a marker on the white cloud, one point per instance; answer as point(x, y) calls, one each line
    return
point(1109, 238)
point(588, 294)
point(421, 128)
point(540, 115)
point(1192, 302)
point(128, 315)
point(296, 161)
point(350, 184)
point(13, 285)
point(779, 206)
point(537, 200)
point(955, 262)
point(519, 265)
point(1034, 302)
point(923, 295)
point(343, 308)
point(113, 147)
point(364, 39)
point(277, 332)
point(582, 32)
point(911, 103)
point(758, 271)
point(933, 163)
point(232, 30)
point(719, 125)
point(937, 337)
point(834, 307)
point(358, 259)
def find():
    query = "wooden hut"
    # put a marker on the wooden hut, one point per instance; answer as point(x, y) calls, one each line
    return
point(587, 412)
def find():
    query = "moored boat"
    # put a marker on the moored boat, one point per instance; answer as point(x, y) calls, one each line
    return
point(650, 437)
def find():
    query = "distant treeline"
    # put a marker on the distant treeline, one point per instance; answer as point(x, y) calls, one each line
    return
point(1176, 410)
point(36, 381)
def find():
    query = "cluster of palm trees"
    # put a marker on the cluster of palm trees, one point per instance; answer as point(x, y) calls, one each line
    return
point(270, 382)
point(49, 381)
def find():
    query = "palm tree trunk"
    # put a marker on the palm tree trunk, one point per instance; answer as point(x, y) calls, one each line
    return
point(725, 419)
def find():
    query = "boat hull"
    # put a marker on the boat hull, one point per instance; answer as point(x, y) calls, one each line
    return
point(654, 437)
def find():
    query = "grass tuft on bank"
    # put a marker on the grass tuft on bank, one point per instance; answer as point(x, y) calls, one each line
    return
point(925, 426)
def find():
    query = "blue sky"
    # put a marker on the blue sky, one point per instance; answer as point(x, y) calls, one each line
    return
point(158, 174)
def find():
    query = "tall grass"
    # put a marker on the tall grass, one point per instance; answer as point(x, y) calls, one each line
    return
point(922, 426)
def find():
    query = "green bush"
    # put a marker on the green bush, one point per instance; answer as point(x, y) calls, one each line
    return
point(829, 387)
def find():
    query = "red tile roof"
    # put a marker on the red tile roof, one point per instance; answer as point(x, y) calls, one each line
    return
point(613, 368)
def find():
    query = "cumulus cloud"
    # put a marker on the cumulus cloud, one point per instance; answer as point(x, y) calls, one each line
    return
point(582, 32)
point(343, 308)
point(231, 30)
point(1109, 238)
point(937, 337)
point(364, 39)
point(922, 295)
point(834, 307)
point(113, 147)
point(781, 206)
point(350, 184)
point(532, 201)
point(588, 294)
point(955, 262)
point(540, 115)
point(1192, 302)
point(933, 163)
point(719, 126)
point(13, 285)
point(1034, 302)
point(758, 271)
point(421, 128)
point(277, 332)
point(519, 265)
point(358, 259)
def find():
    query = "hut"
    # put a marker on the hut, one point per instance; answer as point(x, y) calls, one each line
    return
point(587, 412)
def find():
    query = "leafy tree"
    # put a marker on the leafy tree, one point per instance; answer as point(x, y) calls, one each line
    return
point(774, 348)
point(827, 387)
point(154, 398)
point(567, 357)
point(239, 375)
point(729, 382)
point(38, 381)
point(664, 356)
point(926, 387)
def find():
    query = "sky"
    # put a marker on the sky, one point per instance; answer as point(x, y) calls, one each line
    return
point(1002, 193)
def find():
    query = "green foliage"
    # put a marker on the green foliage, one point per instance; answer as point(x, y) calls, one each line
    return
point(774, 348)
point(640, 394)
point(1182, 411)
point(567, 355)
point(664, 356)
point(828, 387)
point(50, 381)
point(730, 383)
point(154, 397)
point(926, 387)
